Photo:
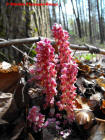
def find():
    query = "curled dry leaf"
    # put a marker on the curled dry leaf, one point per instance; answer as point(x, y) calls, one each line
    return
point(2, 122)
point(81, 103)
point(17, 130)
point(33, 93)
point(18, 97)
point(78, 105)
point(36, 96)
point(80, 85)
point(8, 108)
point(97, 97)
point(30, 137)
point(103, 106)
point(93, 104)
point(101, 82)
point(94, 74)
point(85, 118)
point(97, 132)
point(83, 67)
point(5, 102)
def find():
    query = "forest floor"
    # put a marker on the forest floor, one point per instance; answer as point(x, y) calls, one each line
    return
point(84, 40)
point(90, 103)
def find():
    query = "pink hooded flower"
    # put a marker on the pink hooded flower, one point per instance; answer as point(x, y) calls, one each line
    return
point(36, 119)
point(68, 71)
point(45, 69)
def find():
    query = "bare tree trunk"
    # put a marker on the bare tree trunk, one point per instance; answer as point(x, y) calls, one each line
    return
point(77, 20)
point(90, 28)
point(54, 13)
point(59, 12)
point(100, 24)
point(81, 12)
point(75, 27)
point(50, 19)
point(63, 17)
point(66, 20)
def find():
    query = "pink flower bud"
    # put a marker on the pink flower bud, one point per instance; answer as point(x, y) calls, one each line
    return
point(35, 118)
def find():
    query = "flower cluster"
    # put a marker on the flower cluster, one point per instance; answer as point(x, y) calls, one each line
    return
point(45, 69)
point(68, 71)
point(36, 119)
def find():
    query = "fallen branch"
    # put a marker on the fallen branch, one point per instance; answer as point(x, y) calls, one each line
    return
point(100, 120)
point(19, 42)
point(86, 47)
point(23, 53)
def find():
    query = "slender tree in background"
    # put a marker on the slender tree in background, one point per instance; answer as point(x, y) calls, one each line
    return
point(66, 19)
point(90, 27)
point(64, 22)
point(54, 13)
point(77, 19)
point(81, 13)
point(84, 19)
point(100, 18)
point(59, 2)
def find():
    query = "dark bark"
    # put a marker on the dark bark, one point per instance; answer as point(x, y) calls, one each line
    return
point(66, 19)
point(64, 23)
point(90, 26)
point(100, 18)
point(59, 12)
point(77, 20)
point(54, 13)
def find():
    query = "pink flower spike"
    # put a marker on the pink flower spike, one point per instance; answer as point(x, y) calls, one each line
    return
point(68, 71)
point(36, 118)
point(45, 70)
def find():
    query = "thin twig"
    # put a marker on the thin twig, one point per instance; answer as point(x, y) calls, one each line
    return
point(100, 120)
point(24, 53)
point(26, 46)
point(31, 48)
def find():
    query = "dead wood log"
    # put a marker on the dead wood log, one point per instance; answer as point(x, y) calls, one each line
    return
point(86, 47)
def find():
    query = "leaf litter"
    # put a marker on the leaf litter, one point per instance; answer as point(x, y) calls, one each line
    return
point(89, 109)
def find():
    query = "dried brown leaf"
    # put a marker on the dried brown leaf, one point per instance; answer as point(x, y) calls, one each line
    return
point(83, 67)
point(81, 103)
point(103, 106)
point(93, 104)
point(5, 102)
point(101, 82)
point(18, 130)
point(85, 118)
point(80, 85)
point(78, 105)
point(8, 81)
point(98, 132)
point(30, 137)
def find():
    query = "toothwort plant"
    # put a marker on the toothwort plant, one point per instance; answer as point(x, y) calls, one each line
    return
point(46, 71)
point(68, 71)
